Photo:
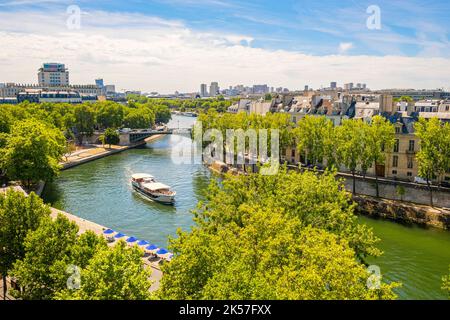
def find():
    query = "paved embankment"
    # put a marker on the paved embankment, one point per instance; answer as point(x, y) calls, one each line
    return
point(97, 152)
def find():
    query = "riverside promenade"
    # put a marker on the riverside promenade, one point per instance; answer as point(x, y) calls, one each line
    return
point(94, 152)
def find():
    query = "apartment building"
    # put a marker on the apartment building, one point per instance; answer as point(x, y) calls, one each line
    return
point(53, 75)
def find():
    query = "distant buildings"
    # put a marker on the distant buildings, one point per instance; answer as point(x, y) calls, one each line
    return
point(333, 85)
point(260, 89)
point(416, 95)
point(53, 86)
point(214, 89)
point(203, 90)
point(53, 75)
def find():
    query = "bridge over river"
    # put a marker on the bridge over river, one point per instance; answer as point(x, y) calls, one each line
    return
point(135, 136)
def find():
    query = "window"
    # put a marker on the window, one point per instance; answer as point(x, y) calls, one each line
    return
point(293, 153)
point(409, 174)
point(395, 161)
point(394, 171)
point(411, 145)
point(410, 163)
point(397, 129)
point(396, 145)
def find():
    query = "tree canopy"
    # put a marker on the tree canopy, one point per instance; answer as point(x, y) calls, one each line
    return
point(33, 151)
point(288, 236)
point(19, 214)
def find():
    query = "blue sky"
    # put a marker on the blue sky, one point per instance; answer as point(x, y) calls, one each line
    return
point(318, 29)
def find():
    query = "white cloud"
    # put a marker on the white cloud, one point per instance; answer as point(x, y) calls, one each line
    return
point(345, 46)
point(151, 54)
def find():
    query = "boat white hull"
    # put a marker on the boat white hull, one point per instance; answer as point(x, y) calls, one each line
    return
point(161, 198)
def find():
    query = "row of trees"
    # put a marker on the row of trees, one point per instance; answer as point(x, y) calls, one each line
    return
point(199, 105)
point(49, 260)
point(241, 121)
point(83, 119)
point(34, 137)
point(355, 145)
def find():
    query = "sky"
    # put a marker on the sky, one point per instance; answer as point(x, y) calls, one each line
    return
point(168, 45)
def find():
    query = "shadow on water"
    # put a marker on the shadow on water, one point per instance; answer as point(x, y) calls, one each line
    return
point(156, 205)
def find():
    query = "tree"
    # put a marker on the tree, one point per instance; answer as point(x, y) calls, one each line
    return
point(290, 236)
point(139, 119)
point(5, 121)
point(380, 137)
point(84, 121)
point(33, 151)
point(313, 137)
point(113, 274)
point(19, 215)
point(109, 114)
point(446, 283)
point(111, 136)
point(42, 271)
point(3, 141)
point(162, 113)
point(433, 157)
point(350, 145)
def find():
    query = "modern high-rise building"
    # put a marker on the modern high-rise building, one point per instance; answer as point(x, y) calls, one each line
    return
point(333, 85)
point(214, 89)
point(53, 75)
point(203, 90)
point(99, 83)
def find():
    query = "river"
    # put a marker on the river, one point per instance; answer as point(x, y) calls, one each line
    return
point(100, 191)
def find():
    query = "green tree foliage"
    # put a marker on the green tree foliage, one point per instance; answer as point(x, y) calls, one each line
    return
point(84, 117)
point(49, 251)
point(289, 236)
point(315, 138)
point(111, 136)
point(5, 121)
point(19, 214)
point(223, 122)
point(141, 118)
point(351, 146)
point(162, 113)
point(446, 283)
point(33, 151)
point(380, 137)
point(42, 271)
point(434, 154)
point(113, 274)
point(109, 115)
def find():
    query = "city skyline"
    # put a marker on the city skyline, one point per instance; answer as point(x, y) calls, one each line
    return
point(165, 46)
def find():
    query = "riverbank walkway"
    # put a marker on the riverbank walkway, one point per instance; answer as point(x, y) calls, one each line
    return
point(93, 152)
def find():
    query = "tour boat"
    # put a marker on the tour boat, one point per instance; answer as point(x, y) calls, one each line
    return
point(147, 186)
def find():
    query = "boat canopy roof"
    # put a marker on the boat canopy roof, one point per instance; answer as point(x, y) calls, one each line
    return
point(155, 186)
point(138, 176)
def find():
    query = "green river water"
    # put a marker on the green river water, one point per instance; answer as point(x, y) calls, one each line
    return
point(100, 191)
